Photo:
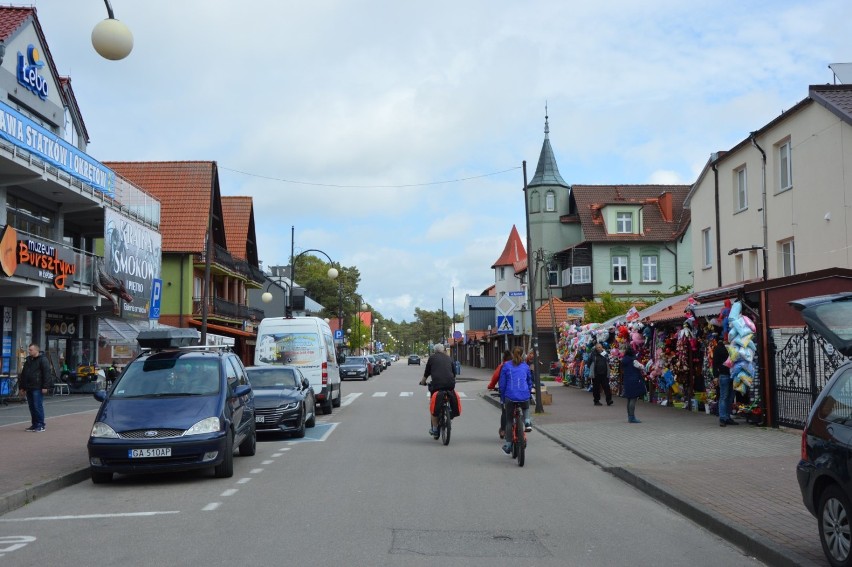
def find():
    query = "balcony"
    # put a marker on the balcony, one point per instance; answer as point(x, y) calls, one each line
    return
point(223, 263)
point(227, 310)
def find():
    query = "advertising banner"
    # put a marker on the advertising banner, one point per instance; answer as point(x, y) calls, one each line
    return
point(133, 256)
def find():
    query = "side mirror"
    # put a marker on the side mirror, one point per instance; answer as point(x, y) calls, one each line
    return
point(305, 383)
point(100, 395)
point(341, 358)
point(242, 390)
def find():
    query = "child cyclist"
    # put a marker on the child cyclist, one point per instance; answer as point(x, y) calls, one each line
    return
point(516, 383)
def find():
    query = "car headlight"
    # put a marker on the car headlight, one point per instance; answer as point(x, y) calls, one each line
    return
point(208, 425)
point(291, 405)
point(104, 431)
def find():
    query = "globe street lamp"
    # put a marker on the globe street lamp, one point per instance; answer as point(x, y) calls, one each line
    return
point(111, 38)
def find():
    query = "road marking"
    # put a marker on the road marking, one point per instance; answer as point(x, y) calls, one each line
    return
point(276, 455)
point(266, 462)
point(462, 394)
point(405, 394)
point(229, 492)
point(255, 471)
point(90, 516)
point(212, 506)
point(284, 448)
point(380, 394)
point(243, 480)
point(348, 399)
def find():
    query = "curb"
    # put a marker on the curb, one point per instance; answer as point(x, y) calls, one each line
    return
point(746, 540)
point(20, 498)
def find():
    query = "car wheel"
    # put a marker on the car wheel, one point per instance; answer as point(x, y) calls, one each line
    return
point(299, 433)
point(101, 477)
point(226, 468)
point(249, 445)
point(834, 526)
point(336, 401)
point(327, 404)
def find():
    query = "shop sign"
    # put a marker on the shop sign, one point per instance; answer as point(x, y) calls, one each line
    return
point(28, 71)
point(133, 254)
point(35, 259)
point(34, 138)
point(60, 324)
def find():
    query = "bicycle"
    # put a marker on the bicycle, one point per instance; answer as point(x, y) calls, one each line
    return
point(445, 417)
point(518, 434)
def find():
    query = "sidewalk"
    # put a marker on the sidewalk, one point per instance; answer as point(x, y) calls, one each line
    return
point(739, 482)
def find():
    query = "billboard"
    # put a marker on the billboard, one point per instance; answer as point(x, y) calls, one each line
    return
point(133, 255)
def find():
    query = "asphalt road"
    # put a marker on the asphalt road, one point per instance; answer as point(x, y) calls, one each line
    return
point(368, 486)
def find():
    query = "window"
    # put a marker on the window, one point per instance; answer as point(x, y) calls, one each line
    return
point(707, 248)
point(738, 267)
point(785, 167)
point(535, 202)
point(553, 276)
point(787, 257)
point(619, 268)
point(624, 223)
point(501, 273)
point(550, 201)
point(752, 264)
point(740, 190)
point(581, 275)
point(649, 269)
point(29, 217)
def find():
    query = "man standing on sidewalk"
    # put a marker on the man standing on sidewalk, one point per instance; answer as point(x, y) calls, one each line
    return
point(600, 378)
point(34, 381)
point(726, 386)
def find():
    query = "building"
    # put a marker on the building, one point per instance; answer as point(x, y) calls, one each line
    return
point(79, 243)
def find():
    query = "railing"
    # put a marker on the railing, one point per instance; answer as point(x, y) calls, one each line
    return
point(222, 257)
point(222, 308)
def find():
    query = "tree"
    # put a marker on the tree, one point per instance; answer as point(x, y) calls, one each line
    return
point(607, 308)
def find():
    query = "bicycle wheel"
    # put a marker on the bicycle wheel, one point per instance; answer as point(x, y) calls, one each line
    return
point(522, 441)
point(517, 432)
point(448, 423)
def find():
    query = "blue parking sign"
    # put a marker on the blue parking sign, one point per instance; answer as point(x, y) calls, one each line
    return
point(156, 296)
point(338, 334)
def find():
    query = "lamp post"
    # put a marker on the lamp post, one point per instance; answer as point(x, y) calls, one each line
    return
point(332, 271)
point(111, 38)
point(266, 296)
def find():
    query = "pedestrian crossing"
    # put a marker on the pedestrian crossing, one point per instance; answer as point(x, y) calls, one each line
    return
point(351, 397)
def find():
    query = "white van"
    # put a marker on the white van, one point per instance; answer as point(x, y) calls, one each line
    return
point(305, 342)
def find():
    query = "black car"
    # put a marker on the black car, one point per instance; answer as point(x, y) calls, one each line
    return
point(414, 359)
point(283, 399)
point(173, 408)
point(355, 367)
point(824, 469)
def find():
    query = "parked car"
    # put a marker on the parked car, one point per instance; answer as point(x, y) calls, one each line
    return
point(355, 367)
point(388, 359)
point(413, 359)
point(823, 471)
point(172, 409)
point(284, 400)
point(377, 366)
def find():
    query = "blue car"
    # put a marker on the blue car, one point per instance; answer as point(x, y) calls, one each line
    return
point(173, 409)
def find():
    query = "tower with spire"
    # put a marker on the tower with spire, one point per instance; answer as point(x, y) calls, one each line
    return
point(552, 221)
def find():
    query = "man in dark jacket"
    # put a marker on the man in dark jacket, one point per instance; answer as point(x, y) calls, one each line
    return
point(726, 384)
point(600, 379)
point(34, 381)
point(440, 367)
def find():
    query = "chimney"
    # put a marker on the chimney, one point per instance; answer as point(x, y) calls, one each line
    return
point(665, 201)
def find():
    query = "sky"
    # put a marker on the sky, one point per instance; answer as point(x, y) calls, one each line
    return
point(391, 134)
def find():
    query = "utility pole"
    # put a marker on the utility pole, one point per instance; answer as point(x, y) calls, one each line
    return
point(531, 273)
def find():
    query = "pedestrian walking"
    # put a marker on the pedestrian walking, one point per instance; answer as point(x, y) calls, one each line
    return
point(35, 380)
point(726, 383)
point(600, 375)
point(634, 383)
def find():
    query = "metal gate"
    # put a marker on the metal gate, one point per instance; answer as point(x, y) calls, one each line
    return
point(802, 368)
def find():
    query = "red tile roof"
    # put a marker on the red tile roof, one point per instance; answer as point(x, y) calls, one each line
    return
point(659, 201)
point(183, 188)
point(544, 317)
point(514, 252)
point(237, 215)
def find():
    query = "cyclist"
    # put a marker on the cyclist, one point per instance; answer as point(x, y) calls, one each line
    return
point(515, 383)
point(440, 367)
point(492, 385)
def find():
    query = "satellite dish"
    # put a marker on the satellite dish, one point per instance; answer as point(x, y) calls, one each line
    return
point(842, 73)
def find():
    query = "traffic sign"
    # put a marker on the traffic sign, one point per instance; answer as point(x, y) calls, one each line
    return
point(338, 334)
point(517, 293)
point(505, 325)
point(156, 296)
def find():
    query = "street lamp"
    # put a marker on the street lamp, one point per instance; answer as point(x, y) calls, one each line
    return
point(111, 38)
point(266, 296)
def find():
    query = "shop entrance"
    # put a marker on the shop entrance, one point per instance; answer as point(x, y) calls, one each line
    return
point(74, 361)
point(802, 368)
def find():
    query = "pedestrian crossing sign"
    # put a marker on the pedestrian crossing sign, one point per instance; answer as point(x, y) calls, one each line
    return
point(505, 324)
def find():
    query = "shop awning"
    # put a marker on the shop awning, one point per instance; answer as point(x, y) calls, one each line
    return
point(709, 309)
point(119, 331)
point(228, 331)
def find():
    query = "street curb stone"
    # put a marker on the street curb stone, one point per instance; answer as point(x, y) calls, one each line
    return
point(20, 498)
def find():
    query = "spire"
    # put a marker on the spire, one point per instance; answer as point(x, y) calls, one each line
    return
point(546, 172)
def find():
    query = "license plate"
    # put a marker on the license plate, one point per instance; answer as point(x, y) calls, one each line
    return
point(258, 419)
point(352, 373)
point(150, 452)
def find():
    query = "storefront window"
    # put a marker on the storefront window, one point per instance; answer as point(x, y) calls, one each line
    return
point(30, 218)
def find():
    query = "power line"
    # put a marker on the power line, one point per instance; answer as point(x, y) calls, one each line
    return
point(282, 180)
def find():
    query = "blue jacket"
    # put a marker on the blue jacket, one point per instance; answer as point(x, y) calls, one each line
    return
point(516, 382)
point(634, 383)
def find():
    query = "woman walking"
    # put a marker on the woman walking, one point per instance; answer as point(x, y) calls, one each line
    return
point(634, 384)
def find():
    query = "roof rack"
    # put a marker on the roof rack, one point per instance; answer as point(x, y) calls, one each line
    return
point(158, 339)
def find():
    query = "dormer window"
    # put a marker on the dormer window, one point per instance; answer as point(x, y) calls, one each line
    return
point(624, 223)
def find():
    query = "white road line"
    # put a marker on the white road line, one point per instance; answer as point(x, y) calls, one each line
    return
point(276, 455)
point(348, 399)
point(212, 506)
point(90, 516)
point(380, 394)
point(266, 462)
point(255, 471)
point(243, 480)
point(405, 394)
point(462, 394)
point(327, 433)
point(229, 492)
point(284, 448)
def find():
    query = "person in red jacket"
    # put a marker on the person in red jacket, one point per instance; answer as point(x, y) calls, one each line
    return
point(507, 355)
